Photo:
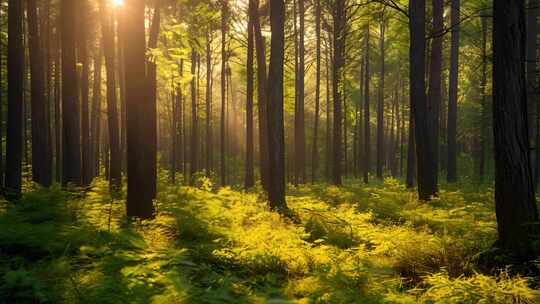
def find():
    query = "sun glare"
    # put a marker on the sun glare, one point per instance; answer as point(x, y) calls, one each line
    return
point(117, 3)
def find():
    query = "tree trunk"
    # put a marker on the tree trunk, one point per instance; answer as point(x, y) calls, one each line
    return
point(209, 140)
point(434, 90)
point(223, 87)
point(138, 105)
point(262, 94)
point(115, 166)
point(70, 101)
point(452, 94)
point(315, 151)
point(152, 82)
point(337, 81)
point(427, 186)
point(14, 136)
point(514, 188)
point(194, 119)
point(249, 178)
point(367, 134)
point(532, 82)
point(380, 105)
point(276, 137)
point(41, 144)
point(82, 58)
point(328, 111)
point(299, 119)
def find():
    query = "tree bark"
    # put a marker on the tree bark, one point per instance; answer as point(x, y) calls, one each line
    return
point(514, 188)
point(115, 166)
point(299, 117)
point(452, 94)
point(194, 120)
point(14, 136)
point(315, 148)
point(152, 83)
point(276, 137)
point(380, 105)
point(367, 134)
point(95, 125)
point(249, 178)
point(223, 172)
point(138, 105)
point(337, 81)
point(82, 58)
point(41, 143)
point(70, 101)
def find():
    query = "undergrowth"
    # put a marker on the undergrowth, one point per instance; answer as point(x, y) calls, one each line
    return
point(354, 244)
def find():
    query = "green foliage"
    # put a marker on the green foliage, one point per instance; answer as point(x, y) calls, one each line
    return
point(355, 244)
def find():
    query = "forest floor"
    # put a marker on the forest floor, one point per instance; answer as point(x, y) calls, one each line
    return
point(354, 244)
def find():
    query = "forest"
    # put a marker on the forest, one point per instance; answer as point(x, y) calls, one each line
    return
point(269, 151)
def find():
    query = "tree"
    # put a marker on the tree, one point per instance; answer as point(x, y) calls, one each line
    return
point(427, 186)
point(299, 119)
point(380, 104)
point(515, 205)
point(152, 79)
point(41, 143)
point(532, 83)
point(452, 93)
point(14, 138)
point(115, 165)
point(71, 155)
point(95, 123)
point(223, 172)
point(194, 119)
point(434, 90)
point(339, 16)
point(262, 94)
point(367, 133)
point(315, 154)
point(82, 53)
point(249, 178)
point(276, 137)
point(139, 104)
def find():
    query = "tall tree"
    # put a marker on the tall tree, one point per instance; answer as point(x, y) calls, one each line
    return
point(314, 153)
point(514, 188)
point(339, 16)
point(71, 155)
point(452, 93)
point(532, 82)
point(367, 133)
point(262, 94)
point(152, 83)
point(14, 137)
point(82, 53)
point(41, 143)
point(427, 185)
point(115, 166)
point(194, 119)
point(276, 137)
point(95, 123)
point(249, 178)
point(434, 90)
point(209, 131)
point(299, 113)
point(380, 103)
point(139, 105)
point(223, 86)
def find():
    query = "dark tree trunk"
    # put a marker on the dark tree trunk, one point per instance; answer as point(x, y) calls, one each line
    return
point(299, 119)
point(434, 91)
point(222, 170)
point(115, 166)
point(174, 131)
point(249, 178)
point(41, 143)
point(14, 136)
point(427, 185)
point(152, 83)
point(380, 105)
point(95, 124)
point(57, 108)
point(82, 53)
point(276, 137)
point(70, 101)
point(367, 134)
point(514, 188)
point(452, 94)
point(194, 120)
point(315, 151)
point(262, 95)
point(532, 83)
point(138, 105)
point(337, 81)
point(328, 111)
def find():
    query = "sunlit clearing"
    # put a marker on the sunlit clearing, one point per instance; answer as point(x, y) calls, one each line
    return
point(117, 3)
